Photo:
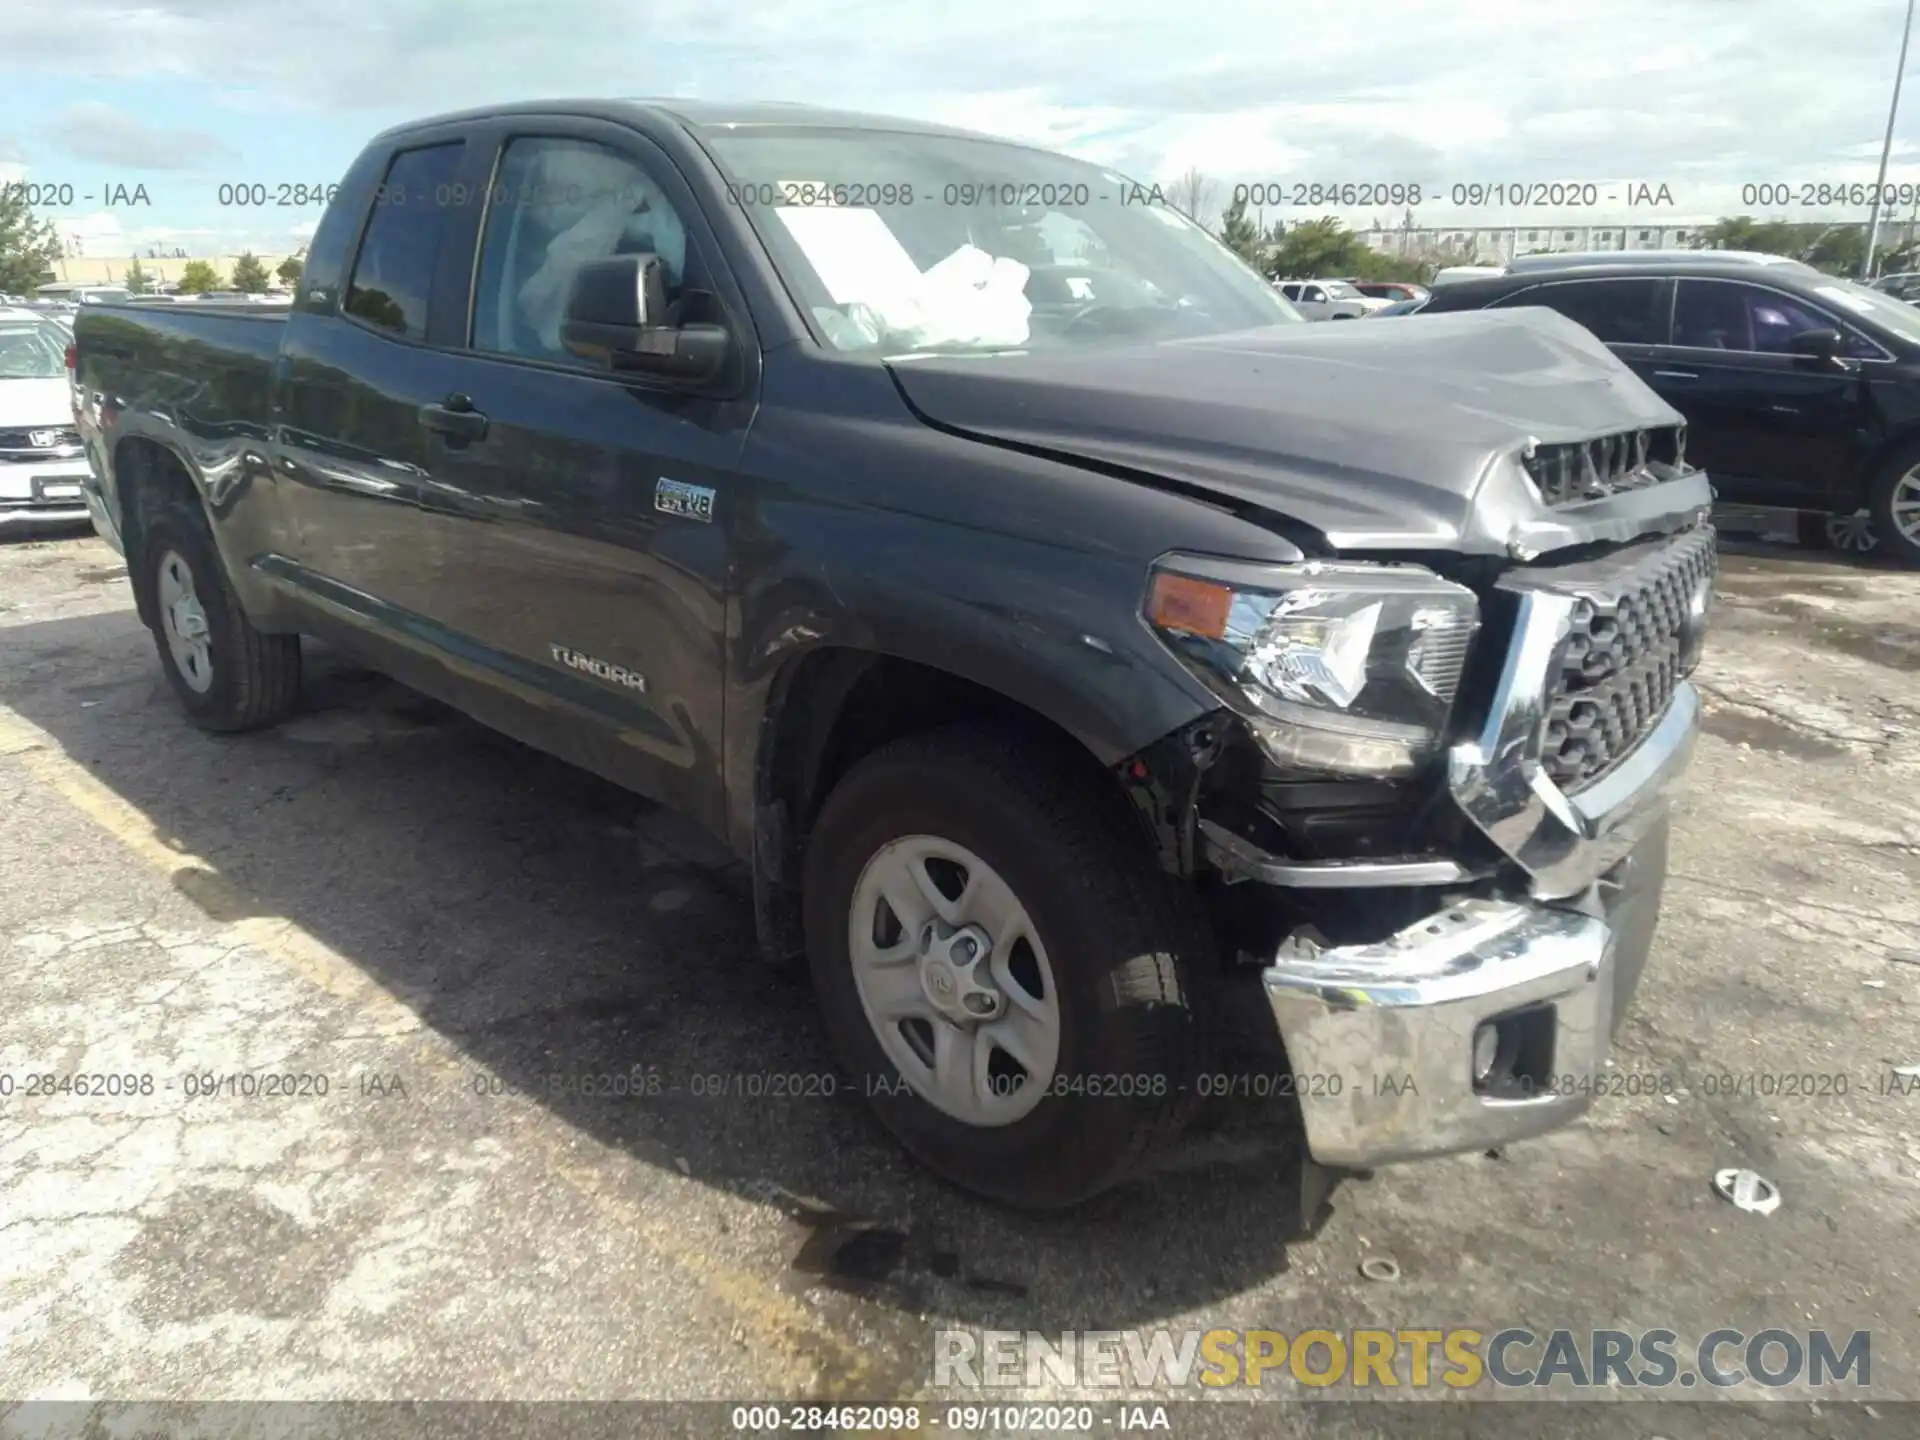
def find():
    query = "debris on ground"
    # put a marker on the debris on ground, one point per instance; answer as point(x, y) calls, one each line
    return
point(1380, 1267)
point(1747, 1190)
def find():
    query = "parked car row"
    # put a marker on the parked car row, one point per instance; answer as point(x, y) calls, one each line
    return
point(1801, 390)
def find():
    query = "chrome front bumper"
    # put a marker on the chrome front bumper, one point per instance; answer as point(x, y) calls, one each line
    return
point(1381, 1036)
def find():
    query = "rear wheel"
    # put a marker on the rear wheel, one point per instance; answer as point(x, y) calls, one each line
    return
point(228, 675)
point(1002, 966)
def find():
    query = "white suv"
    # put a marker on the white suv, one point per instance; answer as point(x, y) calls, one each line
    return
point(1325, 299)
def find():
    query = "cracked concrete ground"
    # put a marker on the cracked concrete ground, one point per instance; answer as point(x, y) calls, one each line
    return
point(437, 940)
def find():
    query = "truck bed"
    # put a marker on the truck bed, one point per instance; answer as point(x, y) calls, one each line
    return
point(208, 369)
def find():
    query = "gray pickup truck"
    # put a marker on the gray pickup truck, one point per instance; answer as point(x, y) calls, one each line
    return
point(1075, 646)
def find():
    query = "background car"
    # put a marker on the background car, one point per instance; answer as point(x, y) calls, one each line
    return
point(1902, 286)
point(1390, 292)
point(1801, 390)
point(42, 464)
point(1325, 299)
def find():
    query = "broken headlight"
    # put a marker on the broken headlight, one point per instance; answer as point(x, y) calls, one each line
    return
point(1339, 668)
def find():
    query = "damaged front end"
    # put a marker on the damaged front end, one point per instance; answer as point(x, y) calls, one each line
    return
point(1450, 901)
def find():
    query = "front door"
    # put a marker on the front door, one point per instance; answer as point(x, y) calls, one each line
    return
point(575, 534)
point(1769, 427)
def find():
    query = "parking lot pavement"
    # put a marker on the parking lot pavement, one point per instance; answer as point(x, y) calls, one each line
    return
point(445, 943)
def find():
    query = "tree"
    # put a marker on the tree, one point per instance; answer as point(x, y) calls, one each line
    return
point(1240, 235)
point(249, 274)
point(290, 270)
point(1839, 251)
point(1836, 249)
point(1314, 249)
point(197, 278)
point(137, 281)
point(29, 248)
point(1192, 195)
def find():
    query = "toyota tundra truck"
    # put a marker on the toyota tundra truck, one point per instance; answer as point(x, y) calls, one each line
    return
point(1073, 645)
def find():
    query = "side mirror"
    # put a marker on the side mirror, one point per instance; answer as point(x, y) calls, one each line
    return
point(617, 315)
point(1823, 345)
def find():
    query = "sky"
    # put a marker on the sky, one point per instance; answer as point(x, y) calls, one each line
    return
point(169, 100)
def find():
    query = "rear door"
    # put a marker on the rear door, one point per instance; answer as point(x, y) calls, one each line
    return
point(354, 370)
point(1769, 426)
point(573, 539)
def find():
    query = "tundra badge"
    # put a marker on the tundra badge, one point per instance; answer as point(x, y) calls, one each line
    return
point(599, 669)
point(676, 497)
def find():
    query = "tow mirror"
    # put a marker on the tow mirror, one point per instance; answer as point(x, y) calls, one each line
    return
point(618, 316)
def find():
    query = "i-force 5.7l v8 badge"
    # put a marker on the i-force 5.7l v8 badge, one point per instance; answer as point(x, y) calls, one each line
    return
point(676, 497)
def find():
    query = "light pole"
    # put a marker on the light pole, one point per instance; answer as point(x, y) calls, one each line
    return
point(1886, 149)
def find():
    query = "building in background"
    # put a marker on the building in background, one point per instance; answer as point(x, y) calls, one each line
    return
point(1495, 244)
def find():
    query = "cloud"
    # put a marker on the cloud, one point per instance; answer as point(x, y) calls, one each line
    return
point(1704, 94)
point(106, 136)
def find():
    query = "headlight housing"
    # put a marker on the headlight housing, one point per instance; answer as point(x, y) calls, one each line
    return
point(1339, 668)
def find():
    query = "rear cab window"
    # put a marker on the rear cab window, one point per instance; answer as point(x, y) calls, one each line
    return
point(392, 276)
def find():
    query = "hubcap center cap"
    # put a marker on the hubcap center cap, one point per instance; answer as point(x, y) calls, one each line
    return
point(189, 620)
point(954, 974)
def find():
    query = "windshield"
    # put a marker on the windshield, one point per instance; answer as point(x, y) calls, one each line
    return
point(1340, 290)
point(32, 352)
point(900, 243)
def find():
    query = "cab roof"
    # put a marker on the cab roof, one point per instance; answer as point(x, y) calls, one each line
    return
point(703, 115)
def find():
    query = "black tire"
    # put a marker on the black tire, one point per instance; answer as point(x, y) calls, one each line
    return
point(1127, 947)
point(1880, 495)
point(255, 677)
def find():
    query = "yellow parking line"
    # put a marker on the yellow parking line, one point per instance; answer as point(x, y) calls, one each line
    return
point(811, 1358)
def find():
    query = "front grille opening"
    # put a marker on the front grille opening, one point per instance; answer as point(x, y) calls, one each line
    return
point(1626, 654)
point(1569, 473)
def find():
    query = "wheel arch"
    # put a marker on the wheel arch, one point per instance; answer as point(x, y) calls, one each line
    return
point(829, 707)
point(147, 472)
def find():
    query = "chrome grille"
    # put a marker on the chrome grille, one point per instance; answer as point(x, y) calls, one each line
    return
point(18, 447)
point(1569, 473)
point(1632, 641)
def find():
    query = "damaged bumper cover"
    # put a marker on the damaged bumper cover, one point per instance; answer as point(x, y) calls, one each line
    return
point(1400, 1020)
point(1397, 1020)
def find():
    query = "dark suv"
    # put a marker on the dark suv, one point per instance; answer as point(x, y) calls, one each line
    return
point(1801, 390)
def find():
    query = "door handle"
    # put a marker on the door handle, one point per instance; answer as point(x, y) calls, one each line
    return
point(455, 417)
point(1676, 374)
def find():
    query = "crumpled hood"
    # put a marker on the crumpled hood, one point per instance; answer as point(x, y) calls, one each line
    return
point(1360, 430)
point(35, 404)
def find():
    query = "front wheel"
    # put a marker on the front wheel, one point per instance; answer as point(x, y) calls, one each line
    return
point(1894, 500)
point(1002, 967)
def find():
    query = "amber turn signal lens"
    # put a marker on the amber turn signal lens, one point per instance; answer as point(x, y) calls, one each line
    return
point(1193, 607)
